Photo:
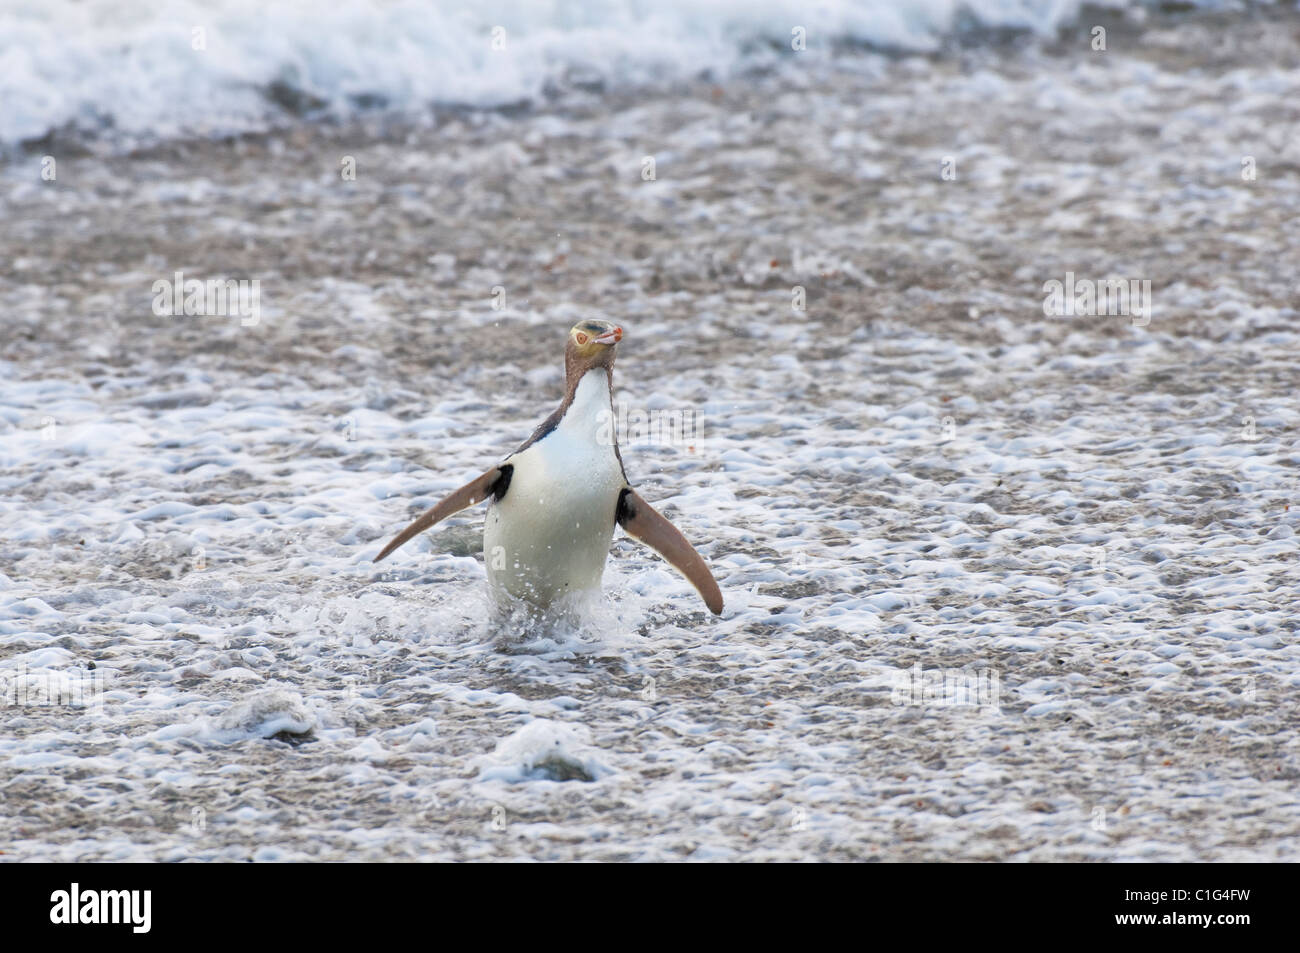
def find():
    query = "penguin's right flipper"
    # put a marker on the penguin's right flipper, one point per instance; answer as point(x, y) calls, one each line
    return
point(492, 483)
point(642, 521)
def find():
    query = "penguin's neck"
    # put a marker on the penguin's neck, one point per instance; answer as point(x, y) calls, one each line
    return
point(590, 412)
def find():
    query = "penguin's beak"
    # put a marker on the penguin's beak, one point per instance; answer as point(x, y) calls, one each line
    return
point(610, 337)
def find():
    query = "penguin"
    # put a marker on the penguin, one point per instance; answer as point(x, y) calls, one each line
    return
point(555, 501)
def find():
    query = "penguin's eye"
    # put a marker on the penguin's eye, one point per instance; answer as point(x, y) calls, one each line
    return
point(582, 338)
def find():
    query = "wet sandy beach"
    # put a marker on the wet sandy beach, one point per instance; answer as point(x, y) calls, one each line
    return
point(1090, 518)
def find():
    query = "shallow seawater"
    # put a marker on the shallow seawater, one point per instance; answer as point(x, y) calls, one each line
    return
point(1000, 584)
point(578, 625)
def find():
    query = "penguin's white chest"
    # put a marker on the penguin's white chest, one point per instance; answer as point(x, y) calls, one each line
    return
point(550, 535)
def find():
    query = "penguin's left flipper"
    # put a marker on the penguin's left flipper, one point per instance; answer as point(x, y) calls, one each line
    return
point(642, 521)
point(492, 483)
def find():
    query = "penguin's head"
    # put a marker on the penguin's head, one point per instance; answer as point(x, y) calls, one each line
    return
point(590, 339)
point(591, 345)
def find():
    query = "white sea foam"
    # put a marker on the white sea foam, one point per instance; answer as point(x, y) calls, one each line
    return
point(132, 68)
point(543, 750)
